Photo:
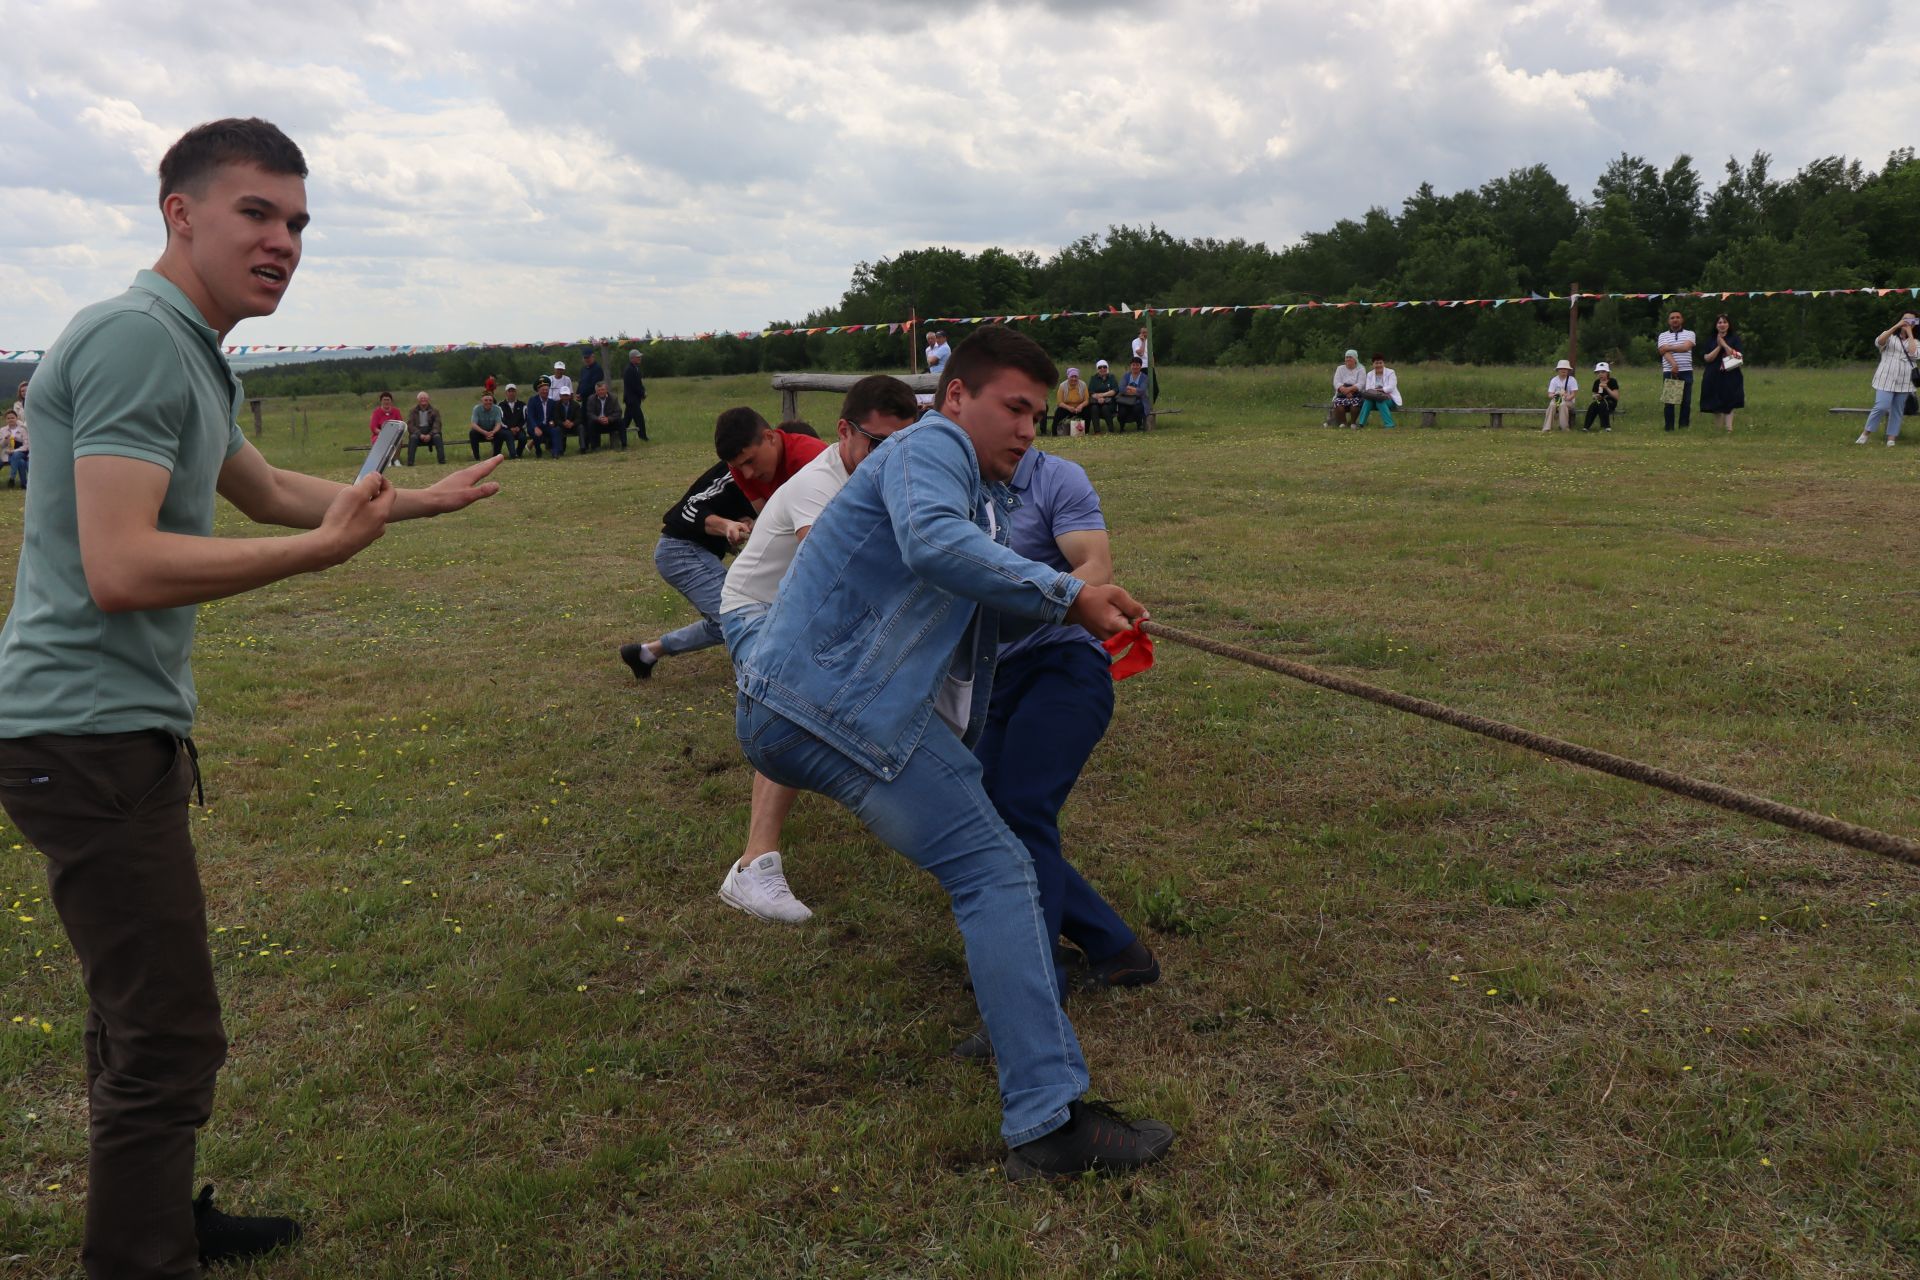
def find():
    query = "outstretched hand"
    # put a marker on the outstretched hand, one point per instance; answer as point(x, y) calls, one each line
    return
point(452, 493)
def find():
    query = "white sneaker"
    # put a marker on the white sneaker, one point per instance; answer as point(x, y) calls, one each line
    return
point(1864, 438)
point(761, 890)
point(1892, 440)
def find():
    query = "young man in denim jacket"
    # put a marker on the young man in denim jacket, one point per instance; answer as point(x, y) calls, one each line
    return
point(868, 681)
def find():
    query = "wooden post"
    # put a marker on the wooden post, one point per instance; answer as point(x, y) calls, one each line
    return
point(913, 339)
point(1146, 419)
point(1573, 327)
point(789, 403)
point(259, 423)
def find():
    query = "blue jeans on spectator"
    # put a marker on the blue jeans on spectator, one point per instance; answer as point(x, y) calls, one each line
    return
point(697, 574)
point(1686, 399)
point(1051, 706)
point(1383, 407)
point(936, 813)
point(18, 460)
point(1889, 407)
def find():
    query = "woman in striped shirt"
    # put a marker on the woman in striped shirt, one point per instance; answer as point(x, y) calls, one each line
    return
point(1893, 380)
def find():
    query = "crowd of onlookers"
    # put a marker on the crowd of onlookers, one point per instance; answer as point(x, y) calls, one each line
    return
point(1104, 403)
point(545, 422)
point(13, 440)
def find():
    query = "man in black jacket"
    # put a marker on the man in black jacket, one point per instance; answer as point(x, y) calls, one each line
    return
point(710, 522)
point(636, 391)
point(513, 416)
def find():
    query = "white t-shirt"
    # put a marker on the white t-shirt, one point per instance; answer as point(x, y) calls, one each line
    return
point(1567, 386)
point(1140, 352)
point(561, 385)
point(755, 575)
point(937, 356)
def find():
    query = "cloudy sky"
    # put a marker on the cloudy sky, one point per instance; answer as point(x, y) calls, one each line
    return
point(506, 171)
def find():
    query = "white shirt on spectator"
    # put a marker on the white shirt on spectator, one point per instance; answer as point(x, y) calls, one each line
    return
point(1386, 381)
point(1566, 386)
point(1682, 360)
point(755, 575)
point(1140, 353)
point(561, 385)
point(937, 356)
point(1895, 371)
point(1345, 377)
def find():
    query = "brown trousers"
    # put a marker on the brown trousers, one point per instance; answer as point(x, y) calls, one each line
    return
point(109, 812)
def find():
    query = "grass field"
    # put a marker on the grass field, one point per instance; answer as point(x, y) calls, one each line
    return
point(1432, 1006)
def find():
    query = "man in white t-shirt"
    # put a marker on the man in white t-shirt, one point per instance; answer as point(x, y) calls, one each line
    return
point(560, 384)
point(874, 409)
point(1676, 364)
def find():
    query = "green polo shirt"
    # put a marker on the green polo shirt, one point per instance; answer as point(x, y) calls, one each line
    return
point(138, 376)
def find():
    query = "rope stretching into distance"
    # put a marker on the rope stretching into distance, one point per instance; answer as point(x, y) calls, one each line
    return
point(1786, 815)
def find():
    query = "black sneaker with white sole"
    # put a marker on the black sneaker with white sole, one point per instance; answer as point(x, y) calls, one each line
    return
point(226, 1238)
point(1095, 1139)
point(1137, 966)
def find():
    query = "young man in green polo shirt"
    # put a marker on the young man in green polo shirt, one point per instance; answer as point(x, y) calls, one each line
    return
point(134, 424)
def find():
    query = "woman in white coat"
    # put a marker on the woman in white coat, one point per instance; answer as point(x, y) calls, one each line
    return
point(1379, 391)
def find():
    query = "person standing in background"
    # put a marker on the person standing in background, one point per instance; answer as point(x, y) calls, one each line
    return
point(635, 389)
point(1676, 365)
point(1723, 387)
point(1893, 379)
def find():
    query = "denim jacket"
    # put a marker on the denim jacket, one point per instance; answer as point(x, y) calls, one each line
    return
point(862, 634)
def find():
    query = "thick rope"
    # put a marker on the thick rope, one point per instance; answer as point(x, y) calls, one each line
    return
point(1712, 793)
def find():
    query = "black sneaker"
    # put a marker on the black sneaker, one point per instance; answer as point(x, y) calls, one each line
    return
point(224, 1237)
point(975, 1046)
point(641, 668)
point(1095, 1139)
point(1135, 967)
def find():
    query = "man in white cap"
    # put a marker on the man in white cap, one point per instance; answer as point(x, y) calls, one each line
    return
point(1103, 391)
point(1560, 394)
point(561, 384)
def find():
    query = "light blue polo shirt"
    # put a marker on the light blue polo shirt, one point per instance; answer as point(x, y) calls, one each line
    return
point(138, 376)
point(1055, 498)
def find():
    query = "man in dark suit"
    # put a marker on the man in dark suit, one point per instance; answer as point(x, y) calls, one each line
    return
point(600, 414)
point(636, 391)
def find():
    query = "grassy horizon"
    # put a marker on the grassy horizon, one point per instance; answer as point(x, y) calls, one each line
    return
point(1432, 1006)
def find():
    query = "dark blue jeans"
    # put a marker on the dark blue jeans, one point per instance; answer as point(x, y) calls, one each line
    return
point(1050, 708)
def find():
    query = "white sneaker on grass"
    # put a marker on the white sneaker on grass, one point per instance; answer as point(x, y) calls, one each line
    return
point(1864, 438)
point(761, 890)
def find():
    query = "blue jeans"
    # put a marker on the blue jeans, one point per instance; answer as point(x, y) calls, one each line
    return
point(18, 460)
point(1383, 407)
point(697, 574)
point(1888, 407)
point(1050, 708)
point(936, 813)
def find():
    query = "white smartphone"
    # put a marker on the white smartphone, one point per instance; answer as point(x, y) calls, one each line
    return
point(385, 448)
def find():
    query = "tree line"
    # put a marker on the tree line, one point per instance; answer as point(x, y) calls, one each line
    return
point(1833, 224)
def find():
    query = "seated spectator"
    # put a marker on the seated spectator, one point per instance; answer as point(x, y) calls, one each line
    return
point(383, 413)
point(13, 449)
point(487, 426)
point(423, 428)
point(1133, 399)
point(1347, 377)
point(1103, 391)
point(539, 414)
point(513, 418)
point(1561, 392)
point(1606, 398)
point(563, 420)
point(1074, 397)
point(600, 416)
point(1379, 393)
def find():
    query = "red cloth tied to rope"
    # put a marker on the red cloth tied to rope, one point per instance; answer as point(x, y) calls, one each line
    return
point(1132, 653)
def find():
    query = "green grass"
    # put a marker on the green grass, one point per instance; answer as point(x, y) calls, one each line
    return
point(1432, 1006)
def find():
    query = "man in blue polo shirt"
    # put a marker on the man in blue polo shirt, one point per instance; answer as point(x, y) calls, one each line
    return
point(1052, 701)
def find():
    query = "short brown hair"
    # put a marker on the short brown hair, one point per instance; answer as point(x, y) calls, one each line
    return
point(989, 350)
point(206, 148)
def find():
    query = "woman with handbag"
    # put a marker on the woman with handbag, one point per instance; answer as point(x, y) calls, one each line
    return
point(1379, 393)
point(1893, 381)
point(1723, 387)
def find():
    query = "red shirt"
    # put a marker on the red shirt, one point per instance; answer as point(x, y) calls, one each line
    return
point(382, 415)
point(796, 451)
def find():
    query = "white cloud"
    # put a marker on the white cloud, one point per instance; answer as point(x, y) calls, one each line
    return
point(510, 170)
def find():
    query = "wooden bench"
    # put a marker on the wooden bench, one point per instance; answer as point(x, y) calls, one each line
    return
point(790, 385)
point(1429, 417)
point(1862, 412)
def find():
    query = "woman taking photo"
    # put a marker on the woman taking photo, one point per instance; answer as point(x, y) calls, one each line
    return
point(1723, 385)
point(1893, 380)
